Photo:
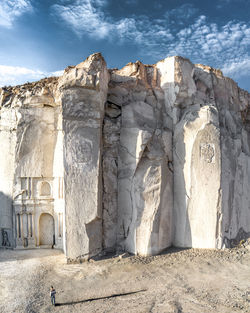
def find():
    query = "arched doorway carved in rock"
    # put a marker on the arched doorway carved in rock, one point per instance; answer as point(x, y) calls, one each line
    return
point(46, 229)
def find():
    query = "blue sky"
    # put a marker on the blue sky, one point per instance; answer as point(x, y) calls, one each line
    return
point(38, 38)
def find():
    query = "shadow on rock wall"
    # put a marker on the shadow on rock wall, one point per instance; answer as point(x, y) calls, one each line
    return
point(6, 240)
point(94, 233)
point(241, 237)
point(182, 230)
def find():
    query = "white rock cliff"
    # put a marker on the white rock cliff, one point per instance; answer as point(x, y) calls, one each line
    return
point(135, 160)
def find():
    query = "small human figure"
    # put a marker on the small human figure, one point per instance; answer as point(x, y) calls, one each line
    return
point(53, 295)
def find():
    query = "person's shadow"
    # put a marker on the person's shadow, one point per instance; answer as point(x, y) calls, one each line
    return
point(100, 298)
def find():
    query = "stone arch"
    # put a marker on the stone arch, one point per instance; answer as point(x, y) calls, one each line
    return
point(46, 229)
point(45, 189)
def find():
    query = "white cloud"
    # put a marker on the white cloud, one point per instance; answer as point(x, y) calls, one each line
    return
point(223, 46)
point(15, 75)
point(86, 17)
point(207, 42)
point(181, 14)
point(56, 73)
point(237, 68)
point(11, 9)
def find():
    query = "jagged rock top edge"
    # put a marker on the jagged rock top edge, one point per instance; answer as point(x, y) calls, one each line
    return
point(53, 80)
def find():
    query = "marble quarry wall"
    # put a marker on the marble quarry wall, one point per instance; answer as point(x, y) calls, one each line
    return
point(31, 174)
point(136, 159)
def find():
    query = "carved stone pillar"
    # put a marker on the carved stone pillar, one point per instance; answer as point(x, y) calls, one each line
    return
point(60, 225)
point(17, 226)
point(25, 225)
point(30, 224)
point(21, 226)
point(33, 225)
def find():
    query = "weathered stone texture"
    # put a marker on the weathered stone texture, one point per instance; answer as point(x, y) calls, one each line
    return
point(111, 138)
point(210, 159)
point(145, 196)
point(233, 106)
point(31, 132)
point(136, 159)
point(83, 94)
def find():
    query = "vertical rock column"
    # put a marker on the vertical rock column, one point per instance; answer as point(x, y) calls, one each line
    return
point(145, 194)
point(197, 160)
point(83, 93)
point(233, 105)
point(7, 157)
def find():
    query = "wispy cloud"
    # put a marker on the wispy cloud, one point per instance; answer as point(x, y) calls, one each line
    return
point(237, 68)
point(185, 11)
point(84, 16)
point(11, 9)
point(216, 45)
point(87, 17)
point(15, 75)
point(193, 36)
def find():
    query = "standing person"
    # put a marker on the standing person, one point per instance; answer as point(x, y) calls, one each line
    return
point(53, 295)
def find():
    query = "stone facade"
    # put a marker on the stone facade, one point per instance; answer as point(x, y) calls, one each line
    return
point(135, 160)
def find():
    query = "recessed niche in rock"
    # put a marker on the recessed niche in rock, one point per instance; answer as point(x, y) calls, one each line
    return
point(136, 159)
point(45, 189)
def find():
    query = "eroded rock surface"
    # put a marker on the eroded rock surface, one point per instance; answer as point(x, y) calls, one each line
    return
point(145, 187)
point(136, 159)
point(83, 95)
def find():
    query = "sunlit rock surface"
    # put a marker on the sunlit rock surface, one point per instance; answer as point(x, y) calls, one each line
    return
point(136, 159)
point(83, 95)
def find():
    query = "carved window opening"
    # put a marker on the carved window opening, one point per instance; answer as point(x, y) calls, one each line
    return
point(45, 189)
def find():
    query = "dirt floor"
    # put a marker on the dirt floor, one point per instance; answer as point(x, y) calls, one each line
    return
point(178, 281)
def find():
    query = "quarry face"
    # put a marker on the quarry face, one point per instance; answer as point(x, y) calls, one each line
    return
point(136, 159)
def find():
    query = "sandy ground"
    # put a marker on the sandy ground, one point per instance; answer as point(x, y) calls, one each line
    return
point(175, 282)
